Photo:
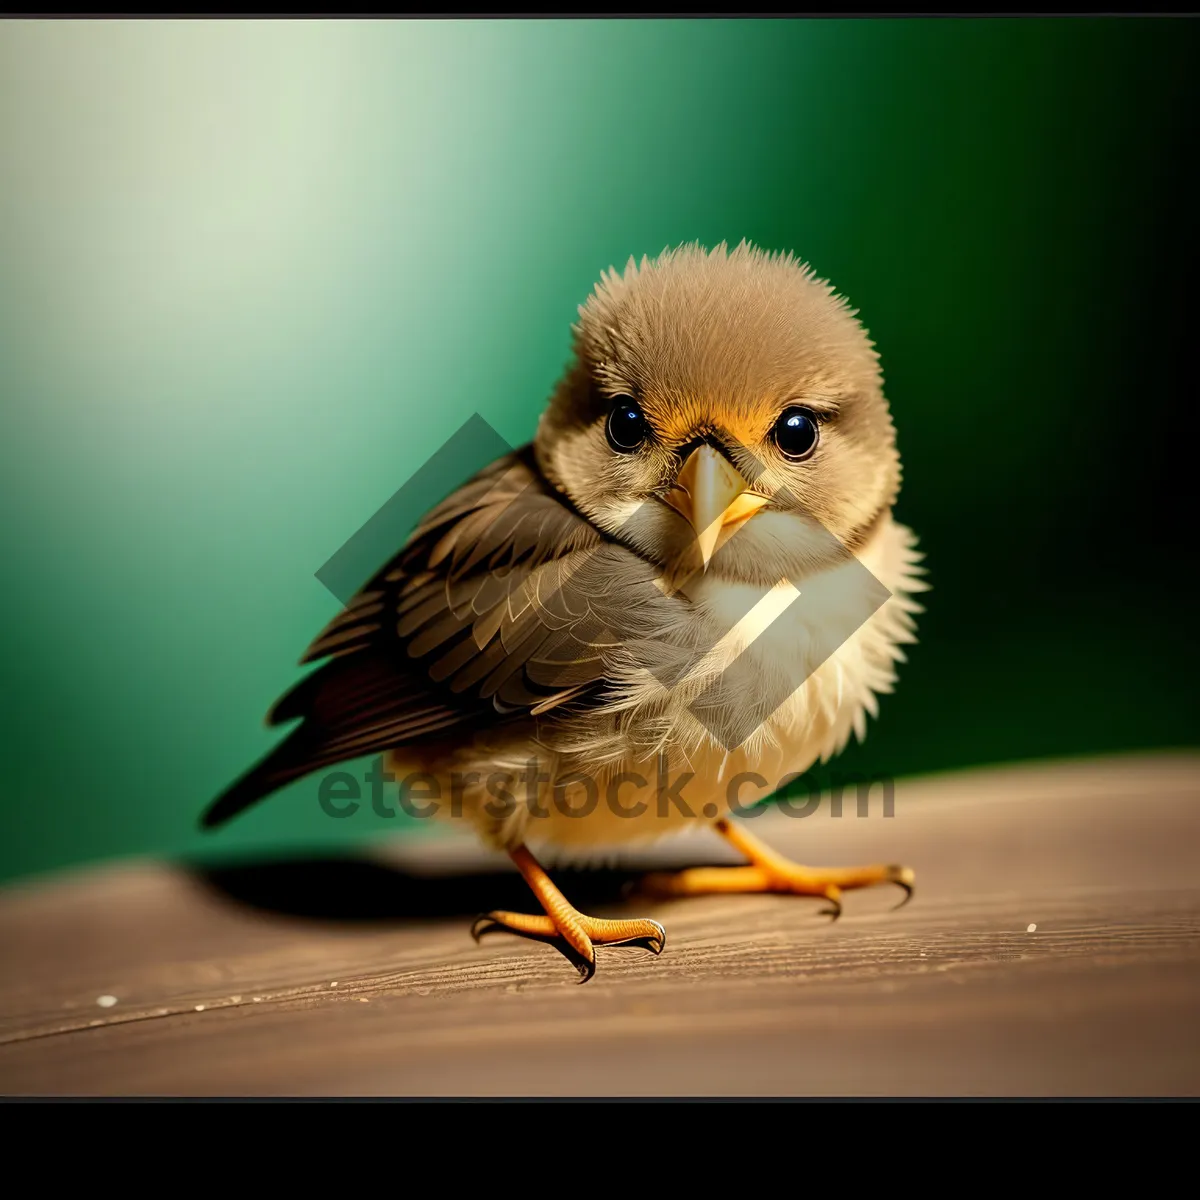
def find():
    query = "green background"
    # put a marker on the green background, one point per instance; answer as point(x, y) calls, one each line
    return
point(254, 274)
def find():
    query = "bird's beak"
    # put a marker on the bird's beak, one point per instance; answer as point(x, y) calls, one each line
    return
point(713, 498)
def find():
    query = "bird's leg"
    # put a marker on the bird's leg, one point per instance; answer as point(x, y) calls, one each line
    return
point(563, 925)
point(769, 871)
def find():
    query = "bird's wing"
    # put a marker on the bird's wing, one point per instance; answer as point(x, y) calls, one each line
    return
point(505, 602)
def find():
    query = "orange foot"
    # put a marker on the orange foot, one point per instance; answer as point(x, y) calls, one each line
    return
point(769, 871)
point(563, 926)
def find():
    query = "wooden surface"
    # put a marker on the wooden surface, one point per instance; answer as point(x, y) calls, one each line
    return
point(226, 984)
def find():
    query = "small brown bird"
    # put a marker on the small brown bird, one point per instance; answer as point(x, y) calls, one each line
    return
point(687, 589)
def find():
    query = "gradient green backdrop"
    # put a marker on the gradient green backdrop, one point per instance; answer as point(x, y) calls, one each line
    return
point(253, 274)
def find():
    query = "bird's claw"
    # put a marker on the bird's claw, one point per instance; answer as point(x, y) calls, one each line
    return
point(585, 966)
point(483, 925)
point(905, 880)
point(902, 877)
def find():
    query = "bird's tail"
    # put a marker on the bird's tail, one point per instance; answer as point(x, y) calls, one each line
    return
point(290, 760)
point(348, 709)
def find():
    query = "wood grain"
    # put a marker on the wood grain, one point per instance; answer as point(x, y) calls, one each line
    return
point(359, 978)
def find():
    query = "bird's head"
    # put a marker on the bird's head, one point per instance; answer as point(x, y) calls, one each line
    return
point(723, 411)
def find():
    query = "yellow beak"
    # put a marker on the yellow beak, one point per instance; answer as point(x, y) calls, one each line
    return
point(713, 498)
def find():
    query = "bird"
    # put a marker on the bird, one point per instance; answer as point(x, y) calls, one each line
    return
point(688, 587)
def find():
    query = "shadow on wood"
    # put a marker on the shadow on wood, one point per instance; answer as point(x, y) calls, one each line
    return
point(367, 892)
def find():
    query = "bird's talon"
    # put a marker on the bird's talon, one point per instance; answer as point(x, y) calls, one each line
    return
point(585, 966)
point(655, 944)
point(905, 879)
point(483, 925)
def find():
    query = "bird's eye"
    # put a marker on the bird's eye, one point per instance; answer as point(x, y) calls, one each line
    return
point(627, 428)
point(796, 433)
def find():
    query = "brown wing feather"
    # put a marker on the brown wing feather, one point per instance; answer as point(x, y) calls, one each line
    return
point(503, 602)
